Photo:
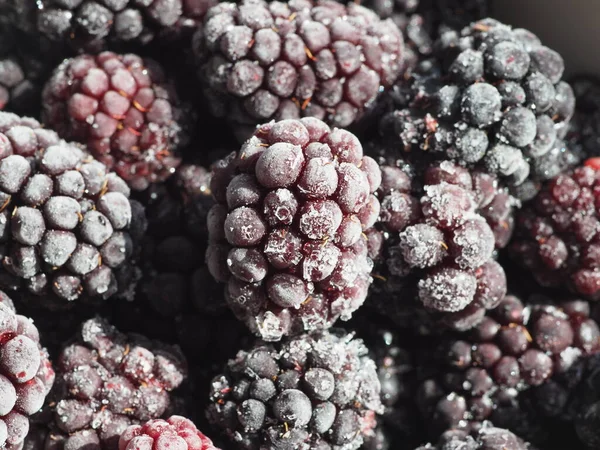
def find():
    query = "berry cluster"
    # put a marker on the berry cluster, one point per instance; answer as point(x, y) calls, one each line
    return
point(122, 109)
point(513, 348)
point(302, 58)
point(288, 232)
point(491, 98)
point(68, 224)
point(26, 375)
point(311, 391)
point(108, 381)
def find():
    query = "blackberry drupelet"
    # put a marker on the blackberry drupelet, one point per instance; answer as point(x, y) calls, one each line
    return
point(276, 60)
point(288, 232)
point(26, 375)
point(175, 432)
point(514, 348)
point(122, 108)
point(488, 438)
point(69, 228)
point(108, 381)
point(93, 25)
point(313, 391)
point(557, 234)
point(491, 98)
point(444, 242)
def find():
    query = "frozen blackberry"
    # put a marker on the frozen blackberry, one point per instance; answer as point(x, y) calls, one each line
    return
point(176, 277)
point(68, 227)
point(26, 375)
point(93, 25)
point(584, 129)
point(108, 381)
point(488, 438)
point(311, 391)
point(442, 237)
point(556, 235)
point(175, 432)
point(277, 60)
point(122, 108)
point(288, 232)
point(514, 348)
point(492, 98)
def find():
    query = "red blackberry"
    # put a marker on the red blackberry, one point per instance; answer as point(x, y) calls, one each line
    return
point(26, 375)
point(488, 438)
point(122, 109)
point(557, 234)
point(288, 232)
point(108, 381)
point(491, 98)
point(69, 228)
point(93, 25)
point(311, 391)
point(514, 348)
point(175, 432)
point(445, 240)
point(301, 58)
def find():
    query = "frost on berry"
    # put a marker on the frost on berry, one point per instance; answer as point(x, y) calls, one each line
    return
point(261, 61)
point(297, 256)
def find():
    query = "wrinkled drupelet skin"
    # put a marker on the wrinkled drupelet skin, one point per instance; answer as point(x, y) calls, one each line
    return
point(288, 232)
point(26, 375)
point(67, 221)
point(443, 236)
point(276, 60)
point(557, 233)
point(157, 434)
point(92, 25)
point(311, 391)
point(514, 349)
point(123, 109)
point(108, 381)
point(491, 98)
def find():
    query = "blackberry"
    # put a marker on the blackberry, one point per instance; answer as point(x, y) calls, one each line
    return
point(311, 391)
point(514, 348)
point(556, 234)
point(584, 129)
point(488, 438)
point(444, 242)
point(122, 108)
point(491, 98)
point(176, 278)
point(108, 381)
point(175, 432)
point(26, 375)
point(69, 229)
point(93, 25)
point(288, 232)
point(276, 60)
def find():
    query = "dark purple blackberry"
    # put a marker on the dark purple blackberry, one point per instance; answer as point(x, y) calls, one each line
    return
point(557, 234)
point(514, 348)
point(26, 375)
point(312, 391)
point(288, 232)
point(107, 381)
point(157, 434)
point(488, 438)
point(441, 237)
point(69, 229)
point(276, 60)
point(491, 98)
point(584, 129)
point(122, 108)
point(95, 24)
point(176, 278)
